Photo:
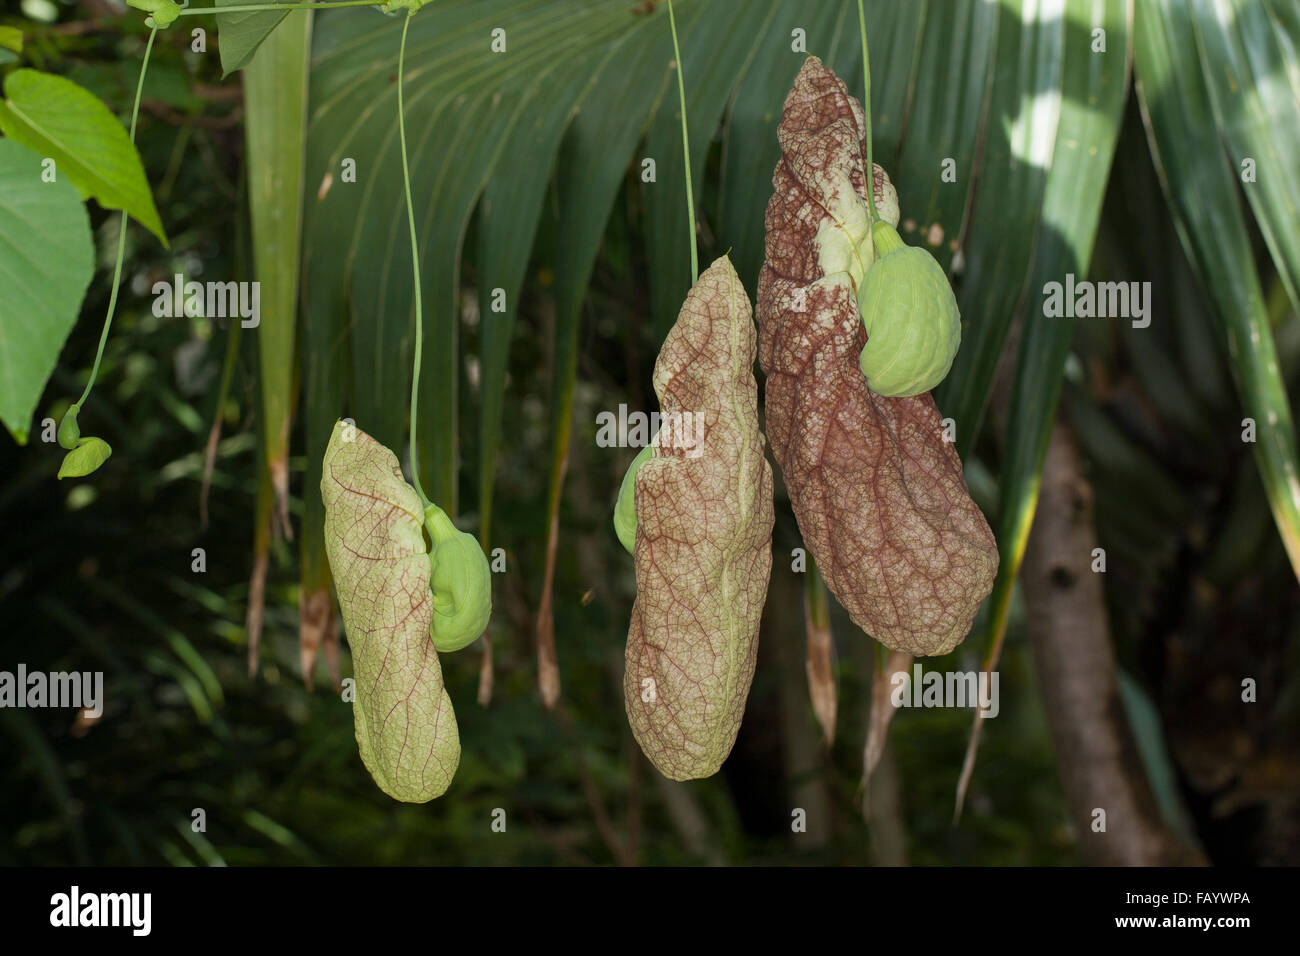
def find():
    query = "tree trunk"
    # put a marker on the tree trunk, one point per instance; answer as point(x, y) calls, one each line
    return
point(1098, 759)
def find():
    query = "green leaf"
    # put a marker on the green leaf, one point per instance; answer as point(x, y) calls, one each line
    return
point(948, 108)
point(1094, 90)
point(592, 166)
point(190, 663)
point(324, 360)
point(463, 104)
point(11, 38)
point(47, 258)
point(37, 751)
point(85, 459)
point(712, 49)
point(1245, 56)
point(508, 216)
point(64, 122)
point(1020, 134)
point(275, 122)
point(240, 35)
point(1201, 187)
point(374, 535)
point(1161, 772)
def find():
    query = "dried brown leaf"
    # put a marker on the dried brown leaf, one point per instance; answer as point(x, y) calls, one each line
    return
point(256, 605)
point(819, 658)
point(879, 718)
point(316, 630)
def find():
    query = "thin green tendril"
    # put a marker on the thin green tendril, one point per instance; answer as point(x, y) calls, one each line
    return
point(866, 112)
point(415, 267)
point(121, 235)
point(686, 146)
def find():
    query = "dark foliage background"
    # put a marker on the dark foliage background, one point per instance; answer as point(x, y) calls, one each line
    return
point(97, 575)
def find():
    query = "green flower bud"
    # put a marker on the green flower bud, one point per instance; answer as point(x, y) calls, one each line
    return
point(163, 13)
point(69, 430)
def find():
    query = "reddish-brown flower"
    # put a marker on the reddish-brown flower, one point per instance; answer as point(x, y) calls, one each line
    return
point(877, 490)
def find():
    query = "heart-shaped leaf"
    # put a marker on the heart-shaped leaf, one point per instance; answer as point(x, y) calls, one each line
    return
point(46, 261)
point(242, 34)
point(63, 122)
point(85, 459)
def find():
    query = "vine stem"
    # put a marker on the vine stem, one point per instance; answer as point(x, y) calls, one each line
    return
point(866, 113)
point(262, 7)
point(121, 234)
point(415, 266)
point(686, 146)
